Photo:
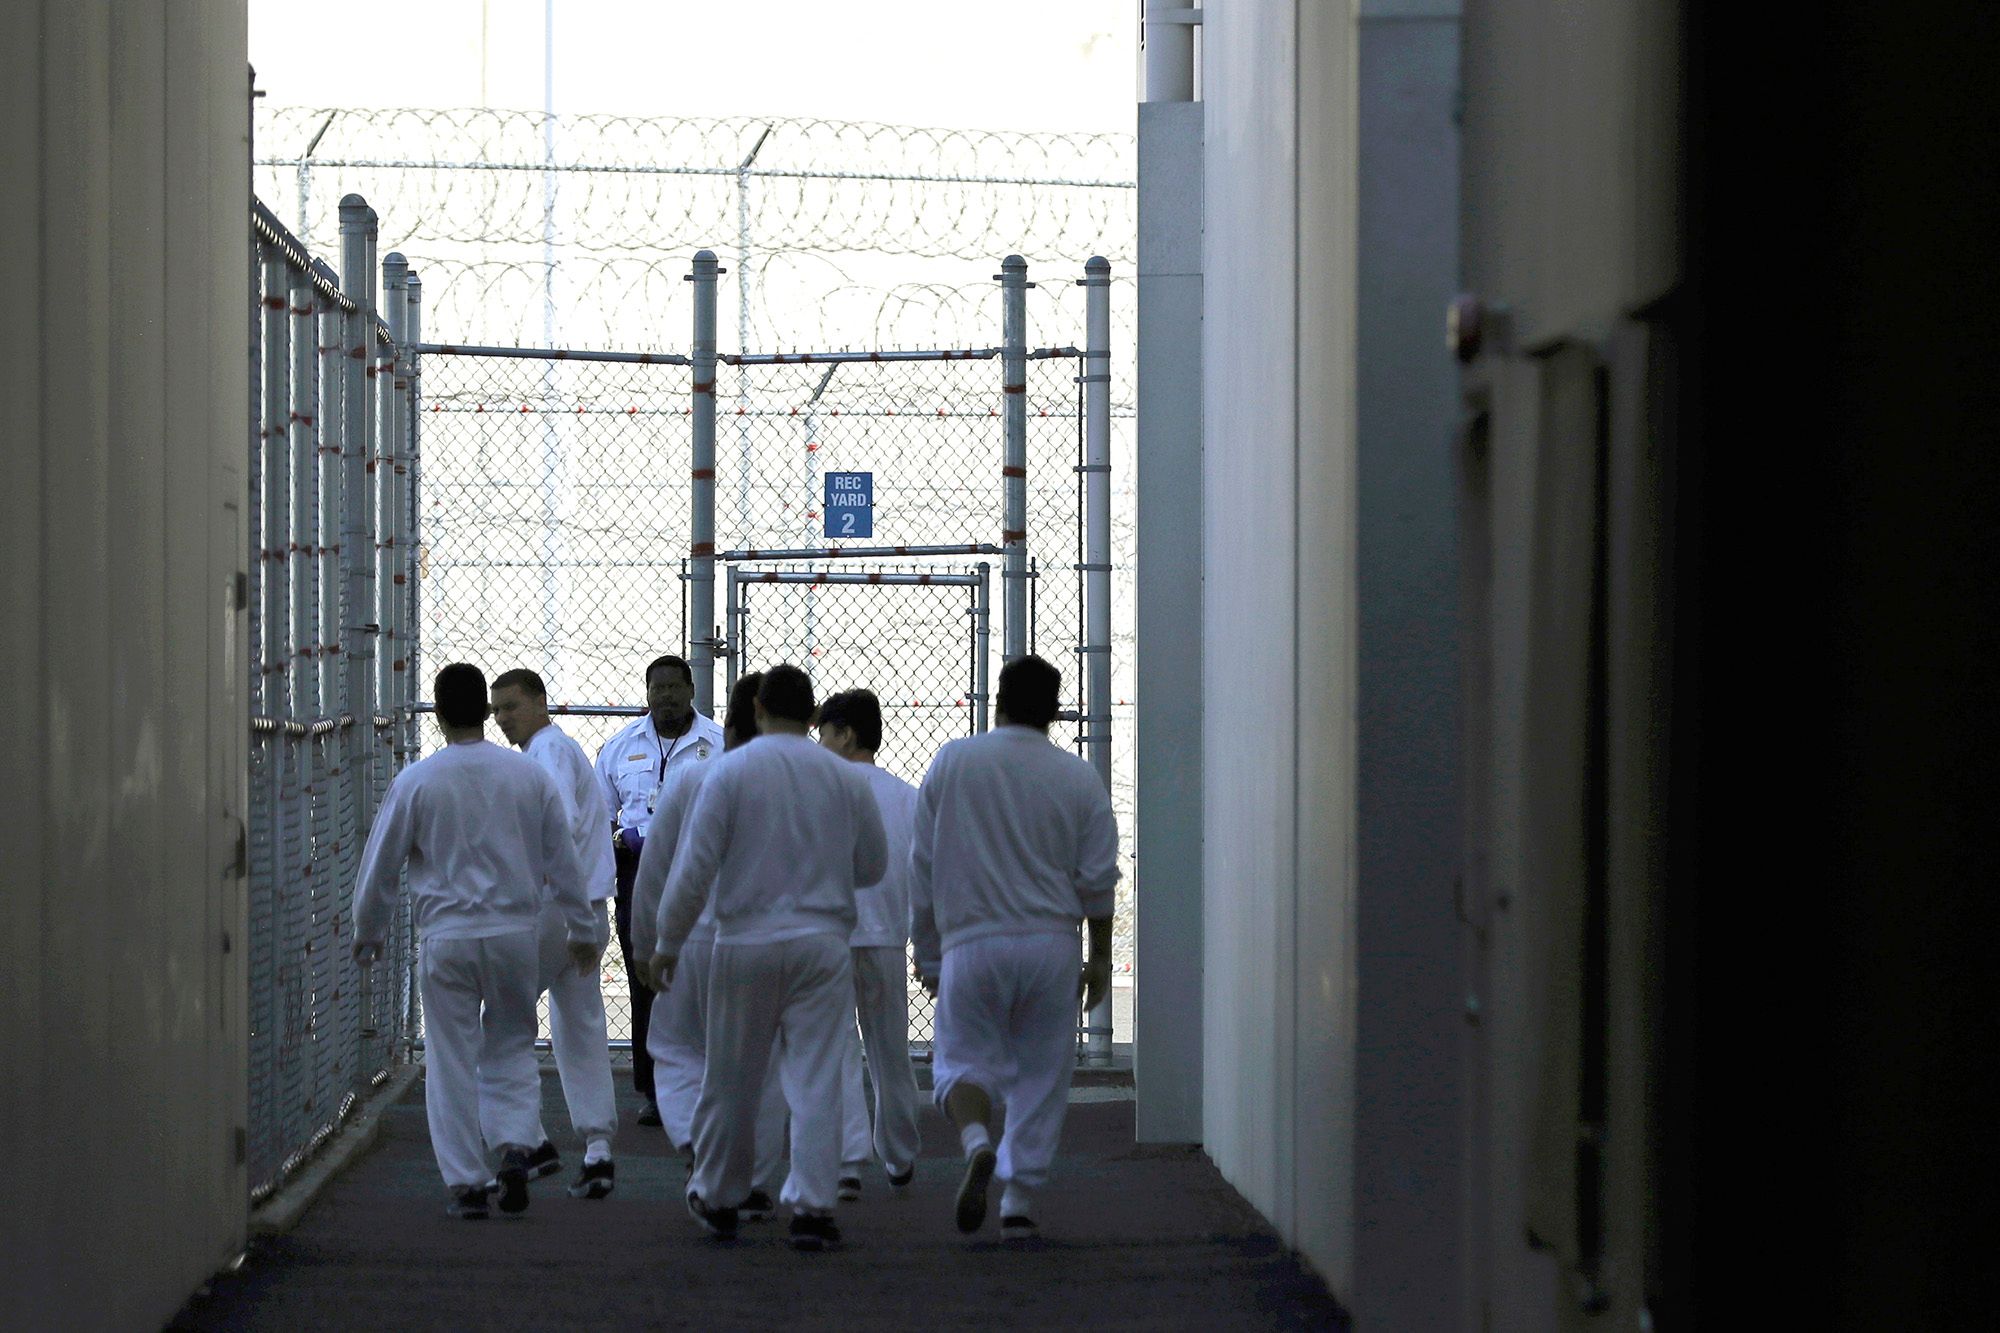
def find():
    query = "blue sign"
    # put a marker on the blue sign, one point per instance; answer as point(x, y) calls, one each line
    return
point(850, 504)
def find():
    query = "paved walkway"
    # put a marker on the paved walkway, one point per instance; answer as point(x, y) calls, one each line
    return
point(1134, 1237)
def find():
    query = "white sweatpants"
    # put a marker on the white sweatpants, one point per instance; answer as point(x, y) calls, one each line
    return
point(791, 1001)
point(479, 1049)
point(1006, 1022)
point(882, 1001)
point(677, 1038)
point(576, 1031)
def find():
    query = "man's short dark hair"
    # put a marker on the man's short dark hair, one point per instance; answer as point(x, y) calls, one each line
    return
point(1029, 690)
point(860, 712)
point(739, 724)
point(669, 660)
point(522, 679)
point(787, 692)
point(460, 693)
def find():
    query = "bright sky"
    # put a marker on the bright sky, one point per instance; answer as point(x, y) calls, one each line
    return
point(1026, 65)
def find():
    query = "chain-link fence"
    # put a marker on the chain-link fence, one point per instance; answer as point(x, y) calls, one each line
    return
point(332, 650)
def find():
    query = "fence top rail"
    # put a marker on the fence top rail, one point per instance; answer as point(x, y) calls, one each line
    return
point(736, 358)
point(857, 552)
point(554, 354)
point(561, 710)
point(265, 225)
point(901, 578)
point(733, 173)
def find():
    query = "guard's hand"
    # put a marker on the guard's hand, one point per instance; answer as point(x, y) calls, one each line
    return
point(1095, 982)
point(366, 953)
point(930, 985)
point(632, 839)
point(585, 954)
point(660, 973)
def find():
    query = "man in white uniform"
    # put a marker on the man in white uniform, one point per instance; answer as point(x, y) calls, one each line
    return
point(678, 1033)
point(485, 835)
point(850, 725)
point(1014, 844)
point(783, 832)
point(634, 767)
point(576, 999)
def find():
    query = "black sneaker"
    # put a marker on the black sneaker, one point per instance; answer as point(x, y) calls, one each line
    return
point(757, 1207)
point(513, 1182)
point(810, 1232)
point(972, 1190)
point(467, 1202)
point(899, 1179)
point(850, 1188)
point(544, 1161)
point(649, 1114)
point(720, 1221)
point(1018, 1228)
point(595, 1180)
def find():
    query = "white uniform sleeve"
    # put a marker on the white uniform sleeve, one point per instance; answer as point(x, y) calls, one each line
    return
point(562, 870)
point(656, 859)
point(604, 784)
point(1096, 874)
point(923, 919)
point(871, 840)
point(378, 887)
point(708, 826)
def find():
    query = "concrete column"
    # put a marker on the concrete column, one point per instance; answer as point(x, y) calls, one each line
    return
point(1167, 1029)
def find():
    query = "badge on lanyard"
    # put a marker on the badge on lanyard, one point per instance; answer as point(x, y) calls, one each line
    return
point(702, 752)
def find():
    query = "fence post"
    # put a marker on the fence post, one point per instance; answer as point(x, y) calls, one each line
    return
point(1096, 283)
point(982, 649)
point(733, 631)
point(701, 625)
point(332, 504)
point(1013, 279)
point(408, 472)
point(357, 536)
point(389, 665)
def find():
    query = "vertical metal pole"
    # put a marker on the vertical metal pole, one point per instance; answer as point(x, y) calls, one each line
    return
point(701, 625)
point(332, 495)
point(745, 464)
point(412, 510)
point(1097, 564)
point(357, 538)
point(1013, 278)
point(275, 500)
point(389, 647)
point(303, 305)
point(982, 652)
point(554, 480)
point(394, 392)
point(730, 617)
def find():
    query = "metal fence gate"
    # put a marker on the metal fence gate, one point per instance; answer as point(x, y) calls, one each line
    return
point(333, 649)
point(580, 507)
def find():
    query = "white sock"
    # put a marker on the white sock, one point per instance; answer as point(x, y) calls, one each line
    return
point(973, 1137)
point(597, 1150)
point(1016, 1202)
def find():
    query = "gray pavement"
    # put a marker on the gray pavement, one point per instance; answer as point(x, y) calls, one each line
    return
point(1134, 1237)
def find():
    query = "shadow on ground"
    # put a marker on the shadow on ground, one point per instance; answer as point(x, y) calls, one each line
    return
point(1135, 1237)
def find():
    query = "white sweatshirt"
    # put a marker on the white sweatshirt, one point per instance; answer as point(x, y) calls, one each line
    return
point(882, 914)
point(583, 796)
point(1013, 836)
point(663, 838)
point(785, 831)
point(482, 830)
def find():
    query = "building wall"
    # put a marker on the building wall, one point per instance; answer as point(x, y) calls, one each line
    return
point(124, 249)
point(1277, 618)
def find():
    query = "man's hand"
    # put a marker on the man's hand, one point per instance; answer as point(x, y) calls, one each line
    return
point(366, 952)
point(631, 838)
point(659, 972)
point(584, 955)
point(928, 981)
point(1095, 981)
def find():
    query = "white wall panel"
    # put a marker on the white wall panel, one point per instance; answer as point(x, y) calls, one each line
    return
point(124, 243)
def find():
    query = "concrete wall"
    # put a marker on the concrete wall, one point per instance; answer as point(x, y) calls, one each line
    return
point(1167, 1048)
point(1278, 616)
point(124, 380)
point(1410, 1025)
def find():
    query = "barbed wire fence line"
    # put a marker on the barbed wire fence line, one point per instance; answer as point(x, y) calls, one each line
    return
point(556, 510)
